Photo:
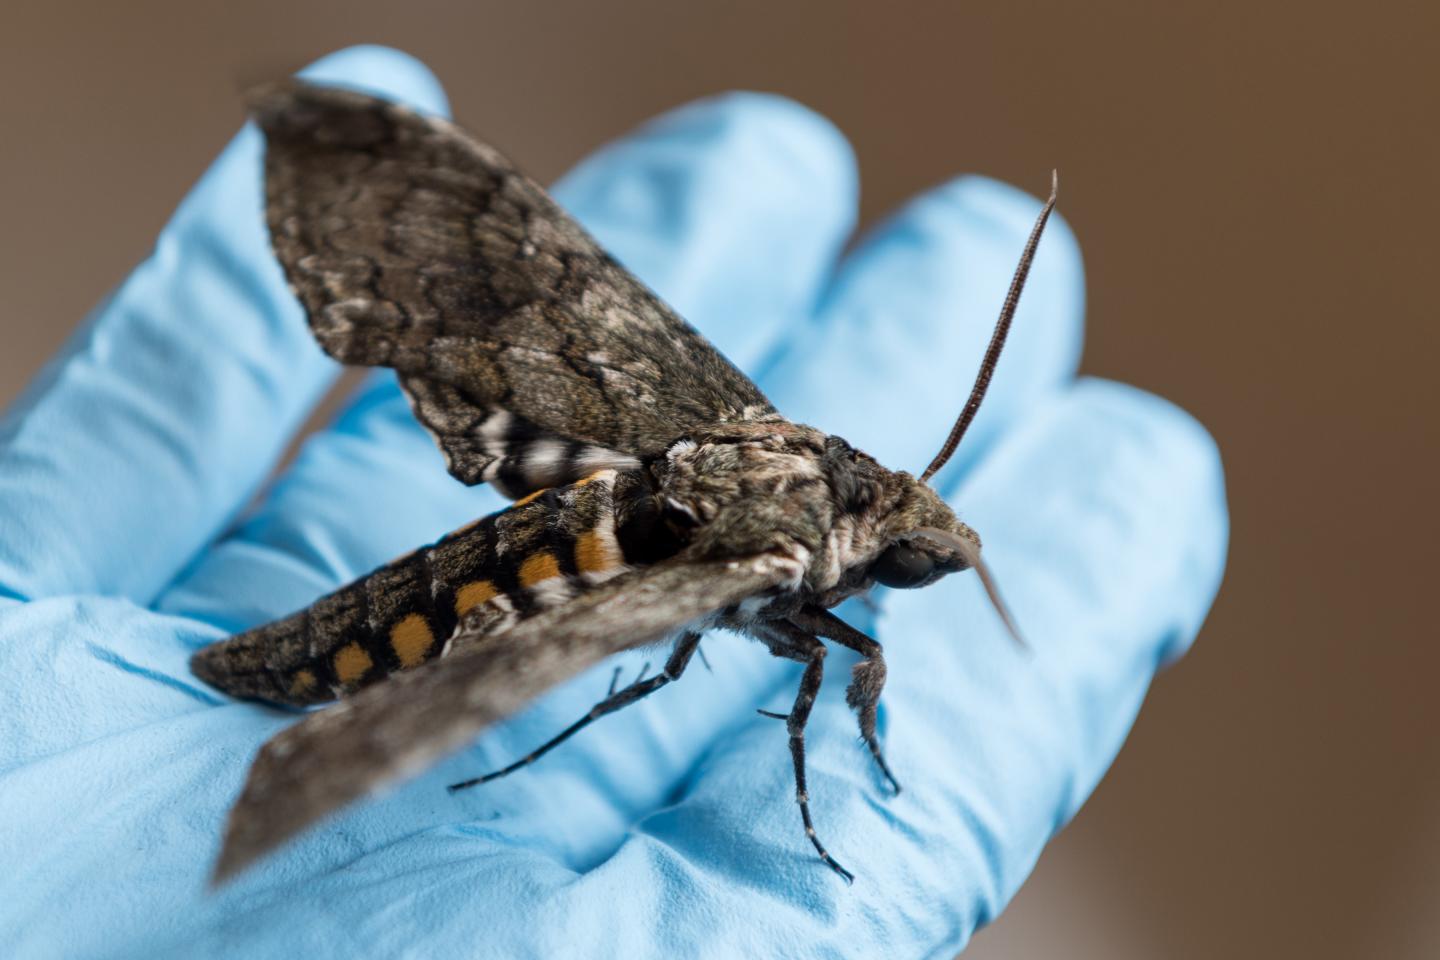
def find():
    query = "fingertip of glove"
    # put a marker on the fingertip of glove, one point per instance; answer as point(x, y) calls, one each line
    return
point(1175, 435)
point(741, 185)
point(1008, 213)
point(771, 131)
point(813, 144)
point(384, 71)
point(1183, 452)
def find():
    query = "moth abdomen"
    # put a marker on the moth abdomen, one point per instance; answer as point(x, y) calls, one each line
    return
point(543, 550)
point(361, 633)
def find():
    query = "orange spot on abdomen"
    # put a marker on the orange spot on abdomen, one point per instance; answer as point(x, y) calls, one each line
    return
point(472, 595)
point(301, 683)
point(351, 663)
point(595, 553)
point(411, 640)
point(537, 567)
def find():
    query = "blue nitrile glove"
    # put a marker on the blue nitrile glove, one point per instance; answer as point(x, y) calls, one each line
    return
point(669, 829)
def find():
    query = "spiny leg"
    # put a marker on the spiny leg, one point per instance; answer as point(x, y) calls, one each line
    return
point(797, 645)
point(641, 688)
point(867, 680)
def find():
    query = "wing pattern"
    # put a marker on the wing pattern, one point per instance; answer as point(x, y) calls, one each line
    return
point(416, 247)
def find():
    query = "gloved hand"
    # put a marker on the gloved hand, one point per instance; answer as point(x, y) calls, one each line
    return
point(130, 536)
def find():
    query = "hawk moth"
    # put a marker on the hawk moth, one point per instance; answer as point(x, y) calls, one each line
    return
point(657, 491)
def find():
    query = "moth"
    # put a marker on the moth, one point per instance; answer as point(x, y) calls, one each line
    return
point(657, 492)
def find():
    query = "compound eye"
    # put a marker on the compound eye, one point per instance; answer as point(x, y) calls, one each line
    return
point(902, 566)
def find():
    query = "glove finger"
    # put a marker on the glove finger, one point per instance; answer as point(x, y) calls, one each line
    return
point(168, 408)
point(890, 356)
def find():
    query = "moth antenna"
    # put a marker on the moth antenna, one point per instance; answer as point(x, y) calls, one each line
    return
point(997, 339)
point(971, 553)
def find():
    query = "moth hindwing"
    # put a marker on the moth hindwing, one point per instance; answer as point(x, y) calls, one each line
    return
point(659, 492)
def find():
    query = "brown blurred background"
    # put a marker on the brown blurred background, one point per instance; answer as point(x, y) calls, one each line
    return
point(1254, 189)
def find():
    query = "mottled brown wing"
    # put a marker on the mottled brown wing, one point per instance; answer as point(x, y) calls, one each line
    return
point(398, 728)
point(414, 246)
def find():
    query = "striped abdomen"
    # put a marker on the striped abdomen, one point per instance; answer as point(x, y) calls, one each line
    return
point(539, 552)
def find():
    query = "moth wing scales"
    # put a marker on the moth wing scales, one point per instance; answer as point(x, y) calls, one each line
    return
point(469, 279)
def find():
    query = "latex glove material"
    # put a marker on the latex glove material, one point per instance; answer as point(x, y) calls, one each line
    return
point(669, 828)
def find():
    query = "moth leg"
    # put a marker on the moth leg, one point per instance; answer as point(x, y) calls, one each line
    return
point(867, 680)
point(794, 644)
point(679, 659)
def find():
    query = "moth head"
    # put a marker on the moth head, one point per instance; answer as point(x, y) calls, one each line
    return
point(917, 560)
point(929, 541)
point(923, 554)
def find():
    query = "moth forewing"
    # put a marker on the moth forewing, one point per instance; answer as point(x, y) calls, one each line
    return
point(659, 491)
